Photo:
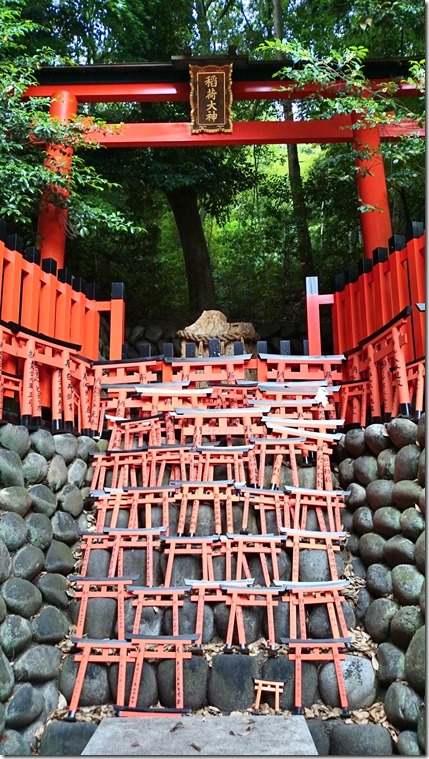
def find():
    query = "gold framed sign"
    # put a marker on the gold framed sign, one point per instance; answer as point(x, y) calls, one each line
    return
point(211, 98)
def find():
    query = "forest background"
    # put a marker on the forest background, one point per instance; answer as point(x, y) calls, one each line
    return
point(236, 229)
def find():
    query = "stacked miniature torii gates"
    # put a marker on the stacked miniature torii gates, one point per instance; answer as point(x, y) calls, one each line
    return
point(157, 490)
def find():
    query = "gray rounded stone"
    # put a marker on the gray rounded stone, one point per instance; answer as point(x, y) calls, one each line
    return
point(346, 472)
point(70, 500)
point(40, 531)
point(402, 706)
point(187, 620)
point(10, 469)
point(420, 552)
point(7, 678)
point(353, 544)
point(422, 501)
point(407, 584)
point(386, 464)
point(252, 622)
point(359, 681)
point(195, 680)
point(5, 562)
point(359, 568)
point(42, 499)
point(314, 565)
point(24, 707)
point(421, 431)
point(34, 468)
point(151, 620)
point(3, 609)
point(402, 432)
point(366, 469)
point(2, 718)
point(15, 634)
point(421, 729)
point(391, 663)
point(306, 477)
point(399, 550)
point(378, 617)
point(21, 597)
point(64, 527)
point(98, 564)
point(407, 463)
point(346, 520)
point(376, 438)
point(364, 599)
point(379, 580)
point(13, 530)
point(319, 625)
point(28, 562)
point(379, 494)
point(405, 622)
point(95, 690)
point(43, 443)
point(406, 494)
point(65, 445)
point(415, 661)
point(387, 521)
point(230, 685)
point(355, 443)
point(13, 744)
point(278, 668)
point(15, 437)
point(57, 473)
point(15, 498)
point(360, 740)
point(76, 473)
point(356, 497)
point(38, 663)
point(85, 446)
point(100, 617)
point(53, 588)
point(50, 625)
point(363, 520)
point(421, 470)
point(371, 548)
point(66, 738)
point(59, 558)
point(407, 744)
point(148, 687)
point(412, 524)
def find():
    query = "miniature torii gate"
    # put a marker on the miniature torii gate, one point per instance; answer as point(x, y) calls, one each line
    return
point(169, 82)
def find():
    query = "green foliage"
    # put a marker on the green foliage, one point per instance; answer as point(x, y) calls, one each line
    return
point(27, 173)
point(340, 74)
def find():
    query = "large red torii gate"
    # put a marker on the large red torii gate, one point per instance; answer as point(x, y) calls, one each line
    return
point(169, 82)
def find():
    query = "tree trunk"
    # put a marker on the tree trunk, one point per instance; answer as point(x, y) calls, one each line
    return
point(305, 251)
point(183, 203)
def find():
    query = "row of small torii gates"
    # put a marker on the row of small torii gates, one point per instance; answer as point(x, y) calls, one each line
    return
point(50, 319)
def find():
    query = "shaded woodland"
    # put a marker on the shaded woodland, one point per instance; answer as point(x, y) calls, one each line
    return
point(231, 228)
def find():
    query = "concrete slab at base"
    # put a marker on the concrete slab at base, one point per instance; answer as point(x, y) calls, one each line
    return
point(248, 735)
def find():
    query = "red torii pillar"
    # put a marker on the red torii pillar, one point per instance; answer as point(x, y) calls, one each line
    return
point(372, 189)
point(52, 222)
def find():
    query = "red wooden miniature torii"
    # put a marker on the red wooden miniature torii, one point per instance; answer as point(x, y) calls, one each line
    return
point(167, 82)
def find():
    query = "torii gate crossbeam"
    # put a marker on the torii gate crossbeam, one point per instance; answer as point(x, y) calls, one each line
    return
point(169, 82)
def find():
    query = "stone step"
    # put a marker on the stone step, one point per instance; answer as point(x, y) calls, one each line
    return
point(246, 735)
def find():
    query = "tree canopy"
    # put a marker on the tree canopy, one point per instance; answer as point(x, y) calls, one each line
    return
point(189, 229)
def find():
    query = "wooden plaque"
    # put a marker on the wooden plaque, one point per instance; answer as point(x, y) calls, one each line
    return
point(211, 98)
